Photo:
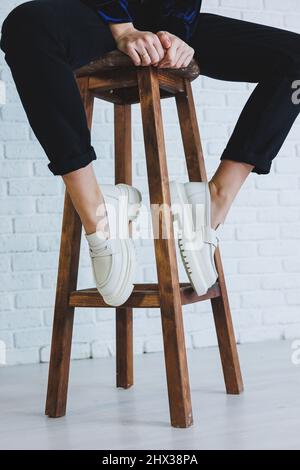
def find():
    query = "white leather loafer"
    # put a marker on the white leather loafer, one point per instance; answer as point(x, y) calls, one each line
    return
point(114, 259)
point(197, 240)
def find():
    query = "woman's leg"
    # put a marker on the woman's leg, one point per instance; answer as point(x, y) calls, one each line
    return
point(224, 186)
point(86, 197)
point(44, 41)
point(234, 50)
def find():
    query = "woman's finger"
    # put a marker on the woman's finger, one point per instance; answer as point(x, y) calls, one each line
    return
point(164, 38)
point(141, 49)
point(182, 58)
point(169, 57)
point(133, 54)
point(153, 54)
point(188, 60)
point(159, 48)
point(145, 58)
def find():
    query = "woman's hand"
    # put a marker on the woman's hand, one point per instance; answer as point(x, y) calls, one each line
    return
point(178, 53)
point(143, 47)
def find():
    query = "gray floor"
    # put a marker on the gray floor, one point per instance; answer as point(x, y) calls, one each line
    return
point(266, 416)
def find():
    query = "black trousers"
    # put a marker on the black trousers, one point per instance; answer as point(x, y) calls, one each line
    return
point(45, 40)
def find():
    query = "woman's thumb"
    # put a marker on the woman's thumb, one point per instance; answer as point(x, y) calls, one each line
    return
point(164, 39)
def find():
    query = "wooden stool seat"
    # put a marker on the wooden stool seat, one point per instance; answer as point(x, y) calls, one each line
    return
point(113, 78)
point(116, 62)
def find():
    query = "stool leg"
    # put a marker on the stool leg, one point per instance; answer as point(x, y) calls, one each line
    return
point(220, 305)
point(63, 314)
point(123, 174)
point(66, 283)
point(171, 310)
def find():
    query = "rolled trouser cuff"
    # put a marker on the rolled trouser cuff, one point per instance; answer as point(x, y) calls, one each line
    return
point(71, 164)
point(261, 168)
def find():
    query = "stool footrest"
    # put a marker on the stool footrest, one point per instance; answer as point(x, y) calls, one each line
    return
point(143, 296)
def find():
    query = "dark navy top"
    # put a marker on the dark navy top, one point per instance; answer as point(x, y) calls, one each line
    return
point(177, 16)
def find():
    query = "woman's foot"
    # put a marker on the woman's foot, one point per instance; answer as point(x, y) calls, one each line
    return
point(197, 239)
point(114, 258)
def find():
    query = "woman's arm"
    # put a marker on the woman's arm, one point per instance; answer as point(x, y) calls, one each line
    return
point(143, 47)
point(111, 11)
point(178, 16)
point(115, 13)
point(177, 21)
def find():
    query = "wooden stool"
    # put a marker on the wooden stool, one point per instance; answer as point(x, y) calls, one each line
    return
point(113, 78)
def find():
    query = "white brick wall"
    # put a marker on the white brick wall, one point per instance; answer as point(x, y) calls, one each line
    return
point(2, 92)
point(260, 241)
